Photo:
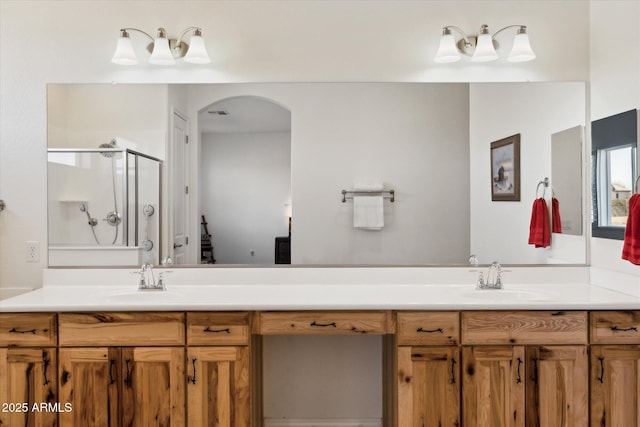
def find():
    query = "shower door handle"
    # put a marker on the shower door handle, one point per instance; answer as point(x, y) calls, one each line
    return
point(176, 246)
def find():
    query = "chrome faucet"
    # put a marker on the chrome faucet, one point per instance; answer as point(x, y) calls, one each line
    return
point(148, 280)
point(497, 278)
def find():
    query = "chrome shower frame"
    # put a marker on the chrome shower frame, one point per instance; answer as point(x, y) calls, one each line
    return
point(125, 188)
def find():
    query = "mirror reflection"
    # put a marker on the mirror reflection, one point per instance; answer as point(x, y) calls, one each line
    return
point(254, 173)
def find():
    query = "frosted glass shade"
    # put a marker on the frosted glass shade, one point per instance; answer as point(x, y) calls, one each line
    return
point(484, 49)
point(161, 54)
point(197, 53)
point(447, 51)
point(521, 51)
point(124, 54)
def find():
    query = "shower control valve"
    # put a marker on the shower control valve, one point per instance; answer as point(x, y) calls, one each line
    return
point(113, 218)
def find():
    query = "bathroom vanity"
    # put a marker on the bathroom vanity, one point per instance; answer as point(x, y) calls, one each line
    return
point(450, 357)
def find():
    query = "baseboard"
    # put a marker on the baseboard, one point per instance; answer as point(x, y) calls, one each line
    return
point(322, 422)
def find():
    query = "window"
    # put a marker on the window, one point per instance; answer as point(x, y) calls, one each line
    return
point(614, 166)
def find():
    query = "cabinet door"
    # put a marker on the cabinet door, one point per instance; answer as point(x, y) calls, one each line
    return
point(493, 386)
point(428, 386)
point(557, 386)
point(153, 386)
point(88, 379)
point(28, 387)
point(615, 385)
point(218, 386)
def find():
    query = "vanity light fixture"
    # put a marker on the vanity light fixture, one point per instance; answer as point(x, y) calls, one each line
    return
point(164, 50)
point(482, 48)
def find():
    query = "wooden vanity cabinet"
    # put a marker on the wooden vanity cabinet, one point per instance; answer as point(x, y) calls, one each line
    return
point(114, 372)
point(218, 369)
point(615, 368)
point(428, 363)
point(28, 362)
point(525, 368)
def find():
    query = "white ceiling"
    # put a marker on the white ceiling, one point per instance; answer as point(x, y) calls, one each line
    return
point(247, 114)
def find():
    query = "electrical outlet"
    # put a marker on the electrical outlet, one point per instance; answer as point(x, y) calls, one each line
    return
point(33, 251)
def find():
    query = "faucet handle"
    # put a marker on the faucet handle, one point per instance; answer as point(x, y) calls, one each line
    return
point(161, 280)
point(480, 281)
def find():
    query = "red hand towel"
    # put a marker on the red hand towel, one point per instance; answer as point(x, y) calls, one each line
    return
point(556, 222)
point(539, 234)
point(631, 246)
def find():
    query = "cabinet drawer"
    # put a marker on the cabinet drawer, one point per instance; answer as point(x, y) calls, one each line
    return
point(27, 330)
point(217, 328)
point(121, 329)
point(437, 328)
point(615, 327)
point(322, 323)
point(524, 327)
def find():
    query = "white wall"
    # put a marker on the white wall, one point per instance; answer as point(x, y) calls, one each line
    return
point(615, 87)
point(248, 41)
point(245, 187)
point(412, 137)
point(535, 111)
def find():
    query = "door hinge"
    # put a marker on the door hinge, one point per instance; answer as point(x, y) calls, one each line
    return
point(186, 190)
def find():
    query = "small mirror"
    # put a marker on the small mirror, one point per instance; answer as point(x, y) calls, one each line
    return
point(566, 180)
point(614, 159)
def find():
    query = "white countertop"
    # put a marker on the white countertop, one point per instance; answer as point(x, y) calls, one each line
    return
point(264, 297)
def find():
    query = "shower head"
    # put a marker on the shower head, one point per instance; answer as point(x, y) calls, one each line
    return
point(110, 144)
point(83, 207)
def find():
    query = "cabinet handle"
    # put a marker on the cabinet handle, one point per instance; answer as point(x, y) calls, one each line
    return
point(429, 331)
point(324, 325)
point(127, 379)
point(17, 331)
point(535, 370)
point(112, 363)
point(601, 377)
point(519, 378)
point(217, 331)
point(629, 329)
point(192, 379)
point(46, 362)
point(453, 372)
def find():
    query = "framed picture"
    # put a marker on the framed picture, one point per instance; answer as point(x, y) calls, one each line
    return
point(505, 169)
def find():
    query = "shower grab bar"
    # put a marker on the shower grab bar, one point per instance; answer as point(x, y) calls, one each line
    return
point(387, 194)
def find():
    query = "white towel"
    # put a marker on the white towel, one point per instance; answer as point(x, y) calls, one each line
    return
point(368, 212)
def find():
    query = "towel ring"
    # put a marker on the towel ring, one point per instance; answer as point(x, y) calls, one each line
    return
point(545, 183)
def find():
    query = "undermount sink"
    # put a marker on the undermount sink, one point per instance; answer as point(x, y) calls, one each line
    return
point(144, 296)
point(503, 294)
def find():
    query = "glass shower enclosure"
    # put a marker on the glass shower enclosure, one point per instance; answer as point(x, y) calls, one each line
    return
point(104, 207)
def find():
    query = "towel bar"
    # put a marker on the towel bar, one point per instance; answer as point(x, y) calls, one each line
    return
point(390, 194)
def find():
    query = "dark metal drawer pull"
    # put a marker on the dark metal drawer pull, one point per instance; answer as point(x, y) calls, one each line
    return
point(429, 331)
point(324, 325)
point(629, 329)
point(16, 331)
point(217, 331)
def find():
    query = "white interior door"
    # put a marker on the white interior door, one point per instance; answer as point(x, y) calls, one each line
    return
point(180, 189)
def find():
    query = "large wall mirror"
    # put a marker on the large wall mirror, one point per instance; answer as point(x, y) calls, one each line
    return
point(254, 173)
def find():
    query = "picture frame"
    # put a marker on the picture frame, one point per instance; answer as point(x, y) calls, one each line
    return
point(505, 169)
